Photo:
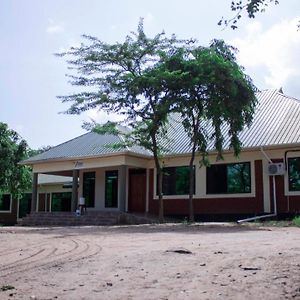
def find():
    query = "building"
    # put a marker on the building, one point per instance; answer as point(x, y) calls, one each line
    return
point(53, 194)
point(125, 179)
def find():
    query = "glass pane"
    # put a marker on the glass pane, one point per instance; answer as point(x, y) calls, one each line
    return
point(61, 202)
point(25, 205)
point(111, 189)
point(216, 179)
point(5, 202)
point(238, 178)
point(176, 180)
point(88, 192)
point(228, 178)
point(294, 173)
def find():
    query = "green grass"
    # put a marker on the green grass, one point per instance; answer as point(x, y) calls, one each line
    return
point(296, 221)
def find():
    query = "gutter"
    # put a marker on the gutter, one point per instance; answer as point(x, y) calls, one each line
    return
point(274, 197)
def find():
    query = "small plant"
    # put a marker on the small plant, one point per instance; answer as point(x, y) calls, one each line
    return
point(296, 221)
point(185, 221)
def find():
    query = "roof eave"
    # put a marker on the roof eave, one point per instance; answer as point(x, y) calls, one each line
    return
point(131, 153)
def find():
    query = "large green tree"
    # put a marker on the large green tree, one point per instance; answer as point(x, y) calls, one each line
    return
point(128, 78)
point(14, 178)
point(213, 92)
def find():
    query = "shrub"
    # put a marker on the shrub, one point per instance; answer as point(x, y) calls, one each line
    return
point(296, 221)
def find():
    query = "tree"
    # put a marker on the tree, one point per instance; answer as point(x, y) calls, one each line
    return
point(14, 178)
point(213, 91)
point(251, 7)
point(128, 78)
point(33, 152)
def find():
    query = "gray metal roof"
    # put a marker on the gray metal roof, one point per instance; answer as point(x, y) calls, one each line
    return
point(276, 121)
point(88, 145)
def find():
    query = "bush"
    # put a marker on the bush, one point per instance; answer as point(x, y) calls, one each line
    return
point(296, 221)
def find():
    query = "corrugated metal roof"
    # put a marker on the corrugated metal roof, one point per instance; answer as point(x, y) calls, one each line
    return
point(276, 121)
point(87, 145)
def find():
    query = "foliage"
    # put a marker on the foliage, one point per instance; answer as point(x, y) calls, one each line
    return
point(251, 7)
point(296, 221)
point(14, 178)
point(212, 92)
point(33, 152)
point(128, 78)
point(147, 78)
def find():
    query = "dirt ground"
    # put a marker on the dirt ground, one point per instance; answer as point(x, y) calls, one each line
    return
point(174, 261)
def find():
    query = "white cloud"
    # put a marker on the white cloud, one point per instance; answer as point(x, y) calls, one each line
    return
point(54, 28)
point(102, 117)
point(275, 50)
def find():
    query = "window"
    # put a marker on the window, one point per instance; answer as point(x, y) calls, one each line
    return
point(228, 178)
point(5, 202)
point(111, 189)
point(61, 201)
point(294, 173)
point(25, 205)
point(88, 192)
point(176, 181)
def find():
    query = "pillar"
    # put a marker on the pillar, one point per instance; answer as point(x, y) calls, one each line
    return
point(34, 191)
point(74, 202)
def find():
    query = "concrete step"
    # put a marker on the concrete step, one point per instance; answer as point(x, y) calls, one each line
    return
point(70, 219)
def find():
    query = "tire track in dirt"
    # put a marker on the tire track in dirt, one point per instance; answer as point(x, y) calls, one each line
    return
point(80, 250)
point(23, 248)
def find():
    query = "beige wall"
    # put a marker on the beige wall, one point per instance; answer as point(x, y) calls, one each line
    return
point(100, 187)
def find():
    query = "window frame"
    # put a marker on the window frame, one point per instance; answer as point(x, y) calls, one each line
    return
point(94, 191)
point(287, 181)
point(175, 167)
point(231, 194)
point(107, 172)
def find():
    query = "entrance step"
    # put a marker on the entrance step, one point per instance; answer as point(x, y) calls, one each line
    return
point(89, 218)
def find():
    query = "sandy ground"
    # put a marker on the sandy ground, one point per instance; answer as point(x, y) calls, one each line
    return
point(146, 262)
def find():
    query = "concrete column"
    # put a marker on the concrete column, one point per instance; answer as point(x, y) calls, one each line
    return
point(74, 200)
point(34, 191)
point(147, 190)
point(122, 187)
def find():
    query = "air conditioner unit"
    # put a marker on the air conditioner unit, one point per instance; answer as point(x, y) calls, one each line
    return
point(276, 169)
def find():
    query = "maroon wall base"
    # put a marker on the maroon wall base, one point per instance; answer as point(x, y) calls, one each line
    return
point(10, 218)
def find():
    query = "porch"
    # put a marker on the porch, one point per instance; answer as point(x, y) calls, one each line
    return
point(105, 187)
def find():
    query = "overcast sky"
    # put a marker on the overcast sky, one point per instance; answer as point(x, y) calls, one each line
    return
point(32, 30)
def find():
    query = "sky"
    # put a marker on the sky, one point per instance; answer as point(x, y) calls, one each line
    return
point(31, 31)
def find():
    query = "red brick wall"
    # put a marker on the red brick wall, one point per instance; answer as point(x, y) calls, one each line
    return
point(253, 205)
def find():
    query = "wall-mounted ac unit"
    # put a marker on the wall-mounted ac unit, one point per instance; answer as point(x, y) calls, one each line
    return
point(276, 169)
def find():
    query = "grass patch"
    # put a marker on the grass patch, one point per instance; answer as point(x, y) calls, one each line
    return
point(296, 221)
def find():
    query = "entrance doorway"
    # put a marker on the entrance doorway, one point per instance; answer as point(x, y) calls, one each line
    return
point(137, 190)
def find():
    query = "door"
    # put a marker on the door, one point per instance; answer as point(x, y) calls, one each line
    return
point(137, 190)
point(42, 202)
